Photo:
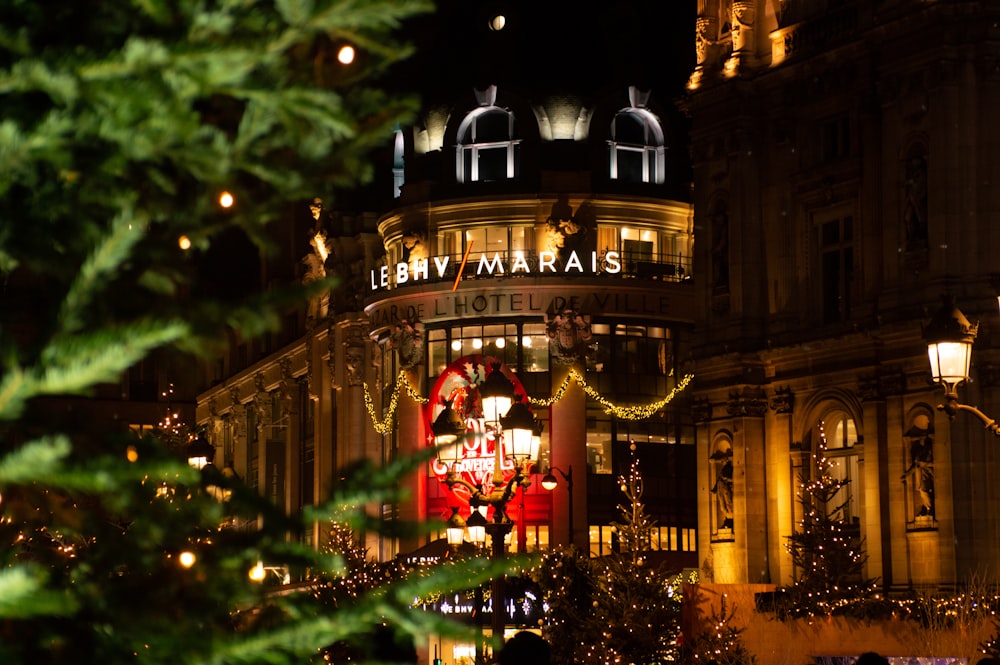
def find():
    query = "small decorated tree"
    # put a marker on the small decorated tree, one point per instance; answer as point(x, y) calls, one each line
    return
point(826, 549)
point(615, 609)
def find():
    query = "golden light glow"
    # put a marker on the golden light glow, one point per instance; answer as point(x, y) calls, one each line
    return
point(319, 242)
point(131, 454)
point(226, 200)
point(257, 572)
point(345, 55)
point(498, 22)
point(187, 558)
point(184, 243)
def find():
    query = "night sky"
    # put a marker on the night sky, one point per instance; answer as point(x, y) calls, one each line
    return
point(552, 45)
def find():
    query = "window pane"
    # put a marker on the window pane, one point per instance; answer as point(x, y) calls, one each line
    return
point(492, 126)
point(493, 163)
point(629, 128)
point(629, 165)
point(536, 348)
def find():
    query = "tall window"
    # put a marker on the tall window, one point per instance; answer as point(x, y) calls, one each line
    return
point(398, 173)
point(836, 249)
point(838, 429)
point(488, 146)
point(635, 148)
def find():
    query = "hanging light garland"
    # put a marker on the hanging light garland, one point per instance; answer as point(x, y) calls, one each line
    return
point(384, 425)
point(637, 412)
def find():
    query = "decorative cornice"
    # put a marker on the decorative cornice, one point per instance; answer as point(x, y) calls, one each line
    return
point(750, 402)
point(783, 400)
point(701, 410)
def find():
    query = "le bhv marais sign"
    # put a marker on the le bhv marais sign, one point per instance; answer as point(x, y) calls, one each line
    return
point(434, 268)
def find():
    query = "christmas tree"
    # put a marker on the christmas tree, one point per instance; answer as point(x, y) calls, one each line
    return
point(614, 609)
point(827, 549)
point(125, 126)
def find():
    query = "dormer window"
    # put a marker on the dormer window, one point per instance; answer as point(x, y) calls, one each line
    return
point(488, 147)
point(636, 148)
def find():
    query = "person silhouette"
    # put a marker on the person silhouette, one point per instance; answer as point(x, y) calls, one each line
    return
point(525, 648)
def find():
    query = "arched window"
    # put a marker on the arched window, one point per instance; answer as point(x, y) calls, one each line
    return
point(488, 147)
point(636, 147)
point(397, 163)
point(837, 432)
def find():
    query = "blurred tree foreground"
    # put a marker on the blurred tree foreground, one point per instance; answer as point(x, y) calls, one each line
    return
point(121, 122)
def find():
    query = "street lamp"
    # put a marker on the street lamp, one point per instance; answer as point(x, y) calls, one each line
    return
point(199, 452)
point(455, 530)
point(550, 482)
point(509, 422)
point(949, 336)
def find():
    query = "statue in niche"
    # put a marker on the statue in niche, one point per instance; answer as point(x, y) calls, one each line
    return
point(720, 247)
point(915, 205)
point(569, 336)
point(723, 488)
point(315, 263)
point(921, 468)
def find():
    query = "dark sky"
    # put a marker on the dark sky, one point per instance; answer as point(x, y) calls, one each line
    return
point(552, 44)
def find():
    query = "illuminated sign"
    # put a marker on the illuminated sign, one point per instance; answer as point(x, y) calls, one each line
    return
point(435, 268)
point(459, 385)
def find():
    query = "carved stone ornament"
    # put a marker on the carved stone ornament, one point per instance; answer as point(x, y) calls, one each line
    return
point(354, 355)
point(234, 396)
point(783, 400)
point(569, 334)
point(701, 410)
point(868, 388)
point(408, 340)
point(893, 382)
point(748, 402)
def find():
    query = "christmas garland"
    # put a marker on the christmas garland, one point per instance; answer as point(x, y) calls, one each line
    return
point(637, 412)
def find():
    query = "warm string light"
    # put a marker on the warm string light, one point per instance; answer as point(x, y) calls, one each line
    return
point(383, 425)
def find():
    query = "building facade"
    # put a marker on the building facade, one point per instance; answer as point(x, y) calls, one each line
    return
point(843, 171)
point(543, 228)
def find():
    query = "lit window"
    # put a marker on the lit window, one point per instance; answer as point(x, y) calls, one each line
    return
point(636, 147)
point(397, 164)
point(488, 146)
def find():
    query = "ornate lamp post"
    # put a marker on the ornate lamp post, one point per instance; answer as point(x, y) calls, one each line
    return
point(507, 422)
point(949, 336)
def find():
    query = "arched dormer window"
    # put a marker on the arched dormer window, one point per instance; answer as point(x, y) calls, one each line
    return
point(488, 146)
point(398, 173)
point(636, 148)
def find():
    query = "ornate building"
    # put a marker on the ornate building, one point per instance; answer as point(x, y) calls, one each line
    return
point(538, 222)
point(843, 180)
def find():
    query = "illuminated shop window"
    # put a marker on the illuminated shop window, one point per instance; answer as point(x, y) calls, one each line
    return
point(536, 538)
point(521, 347)
point(488, 147)
point(601, 539)
point(598, 442)
point(631, 350)
point(635, 148)
point(673, 539)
